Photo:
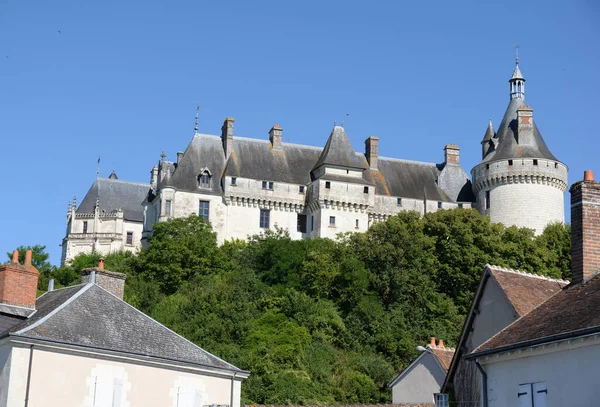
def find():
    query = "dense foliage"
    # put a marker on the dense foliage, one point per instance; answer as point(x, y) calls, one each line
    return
point(321, 321)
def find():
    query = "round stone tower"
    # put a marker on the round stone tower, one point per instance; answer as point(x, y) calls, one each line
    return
point(519, 181)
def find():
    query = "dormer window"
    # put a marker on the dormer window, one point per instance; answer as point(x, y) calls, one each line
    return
point(204, 179)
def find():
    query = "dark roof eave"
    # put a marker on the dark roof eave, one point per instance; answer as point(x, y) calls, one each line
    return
point(535, 342)
point(149, 357)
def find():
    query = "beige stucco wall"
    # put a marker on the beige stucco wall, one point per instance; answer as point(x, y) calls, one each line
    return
point(418, 385)
point(570, 371)
point(67, 379)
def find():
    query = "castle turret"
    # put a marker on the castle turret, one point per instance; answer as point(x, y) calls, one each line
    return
point(519, 181)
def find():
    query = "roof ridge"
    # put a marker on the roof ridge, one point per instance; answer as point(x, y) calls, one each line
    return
point(526, 274)
point(408, 161)
point(122, 181)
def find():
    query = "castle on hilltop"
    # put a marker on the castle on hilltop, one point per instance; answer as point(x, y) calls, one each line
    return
point(244, 186)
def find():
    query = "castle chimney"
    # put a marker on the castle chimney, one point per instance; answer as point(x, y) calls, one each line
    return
point(227, 136)
point(18, 282)
point(372, 151)
point(112, 282)
point(154, 177)
point(585, 228)
point(451, 154)
point(441, 344)
point(275, 137)
point(179, 156)
point(525, 125)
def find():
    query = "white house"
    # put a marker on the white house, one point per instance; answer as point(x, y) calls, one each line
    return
point(550, 356)
point(424, 377)
point(84, 346)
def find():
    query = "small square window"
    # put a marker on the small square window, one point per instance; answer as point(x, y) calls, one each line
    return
point(85, 226)
point(233, 181)
point(327, 184)
point(270, 185)
point(399, 201)
point(441, 399)
point(366, 190)
point(301, 189)
point(332, 221)
point(439, 205)
point(204, 180)
point(265, 216)
point(535, 162)
point(510, 162)
point(460, 205)
point(264, 185)
point(129, 240)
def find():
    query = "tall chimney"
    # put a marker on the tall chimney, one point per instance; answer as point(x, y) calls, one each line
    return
point(372, 151)
point(525, 125)
point(179, 156)
point(227, 136)
point(111, 281)
point(585, 228)
point(275, 137)
point(18, 282)
point(451, 154)
point(154, 177)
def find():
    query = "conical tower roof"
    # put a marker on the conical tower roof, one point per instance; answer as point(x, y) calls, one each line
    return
point(339, 152)
point(489, 132)
point(517, 73)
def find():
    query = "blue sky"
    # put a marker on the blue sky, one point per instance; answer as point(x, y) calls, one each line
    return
point(121, 80)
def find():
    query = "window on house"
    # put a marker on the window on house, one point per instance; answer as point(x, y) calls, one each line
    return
point(301, 223)
point(312, 223)
point(85, 226)
point(327, 184)
point(108, 391)
point(332, 221)
point(233, 181)
point(399, 201)
point(532, 394)
point(129, 239)
point(555, 165)
point(168, 207)
point(439, 205)
point(267, 185)
point(366, 190)
point(356, 226)
point(265, 218)
point(441, 399)
point(487, 200)
point(301, 189)
point(270, 185)
point(487, 166)
point(460, 205)
point(189, 397)
point(510, 162)
point(204, 209)
point(535, 162)
point(204, 180)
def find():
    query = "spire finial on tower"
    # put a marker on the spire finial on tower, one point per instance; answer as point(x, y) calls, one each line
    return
point(517, 82)
point(196, 124)
point(162, 157)
point(517, 57)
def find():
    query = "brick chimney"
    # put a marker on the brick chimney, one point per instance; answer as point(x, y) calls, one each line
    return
point(275, 137)
point(227, 136)
point(111, 281)
point(525, 125)
point(18, 282)
point(372, 151)
point(451, 154)
point(585, 228)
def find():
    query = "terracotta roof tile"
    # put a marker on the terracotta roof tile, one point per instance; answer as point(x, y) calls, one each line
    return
point(444, 356)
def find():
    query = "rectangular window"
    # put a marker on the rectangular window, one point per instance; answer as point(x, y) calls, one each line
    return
point(129, 240)
point(460, 205)
point(233, 181)
point(327, 184)
point(441, 400)
point(85, 226)
point(301, 189)
point(332, 221)
point(540, 392)
point(301, 223)
point(204, 180)
point(439, 205)
point(535, 162)
point(270, 185)
point(399, 201)
point(189, 397)
point(204, 209)
point(108, 391)
point(264, 218)
point(366, 190)
point(487, 200)
point(510, 162)
point(168, 207)
point(312, 223)
point(356, 224)
point(487, 166)
point(264, 185)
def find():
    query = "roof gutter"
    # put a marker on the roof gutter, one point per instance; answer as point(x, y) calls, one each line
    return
point(535, 342)
point(483, 384)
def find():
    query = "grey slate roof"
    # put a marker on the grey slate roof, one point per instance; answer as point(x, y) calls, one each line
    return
point(508, 147)
point(489, 132)
point(114, 194)
point(338, 151)
point(87, 315)
point(293, 163)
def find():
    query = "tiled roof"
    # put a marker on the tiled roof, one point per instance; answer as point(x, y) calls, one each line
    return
point(339, 152)
point(115, 194)
point(570, 313)
point(525, 291)
point(444, 356)
point(87, 315)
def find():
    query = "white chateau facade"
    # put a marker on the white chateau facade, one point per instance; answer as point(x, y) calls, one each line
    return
point(245, 186)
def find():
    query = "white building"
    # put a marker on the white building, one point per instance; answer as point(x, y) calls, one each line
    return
point(423, 378)
point(84, 346)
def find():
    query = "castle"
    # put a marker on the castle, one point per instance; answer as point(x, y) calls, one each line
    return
point(244, 186)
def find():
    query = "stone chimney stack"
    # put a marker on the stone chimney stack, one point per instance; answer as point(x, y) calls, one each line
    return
point(525, 125)
point(154, 177)
point(372, 151)
point(275, 137)
point(585, 228)
point(227, 136)
point(451, 154)
point(18, 282)
point(179, 156)
point(112, 282)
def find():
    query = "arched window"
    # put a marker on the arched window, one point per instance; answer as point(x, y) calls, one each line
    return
point(204, 179)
